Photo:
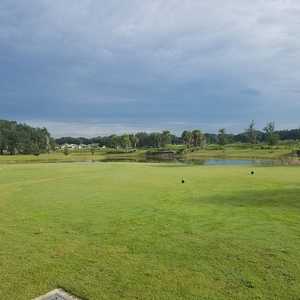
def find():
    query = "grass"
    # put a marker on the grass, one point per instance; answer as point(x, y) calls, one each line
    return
point(52, 157)
point(241, 153)
point(73, 156)
point(133, 231)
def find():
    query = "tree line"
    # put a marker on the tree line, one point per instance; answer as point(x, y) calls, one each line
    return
point(24, 139)
point(193, 138)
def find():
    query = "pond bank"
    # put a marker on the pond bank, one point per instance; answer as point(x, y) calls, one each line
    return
point(227, 156)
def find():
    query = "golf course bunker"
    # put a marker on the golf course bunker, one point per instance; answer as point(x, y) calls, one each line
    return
point(57, 294)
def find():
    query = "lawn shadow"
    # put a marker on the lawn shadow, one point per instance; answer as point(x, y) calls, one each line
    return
point(280, 198)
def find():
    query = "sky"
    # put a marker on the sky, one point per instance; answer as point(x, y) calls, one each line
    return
point(94, 67)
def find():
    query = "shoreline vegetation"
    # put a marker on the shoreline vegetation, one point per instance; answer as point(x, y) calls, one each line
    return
point(22, 143)
point(279, 153)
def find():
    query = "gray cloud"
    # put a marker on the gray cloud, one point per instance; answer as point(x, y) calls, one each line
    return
point(137, 63)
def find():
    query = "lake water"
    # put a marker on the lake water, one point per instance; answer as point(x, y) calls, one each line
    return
point(207, 162)
point(233, 162)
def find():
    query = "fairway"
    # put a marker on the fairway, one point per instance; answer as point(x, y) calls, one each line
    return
point(134, 231)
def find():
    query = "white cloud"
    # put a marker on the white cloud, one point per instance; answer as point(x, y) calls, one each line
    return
point(93, 129)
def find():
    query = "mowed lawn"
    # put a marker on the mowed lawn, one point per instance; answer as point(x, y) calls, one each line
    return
point(134, 231)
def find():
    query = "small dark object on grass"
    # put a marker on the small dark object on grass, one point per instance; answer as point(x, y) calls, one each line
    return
point(252, 172)
point(182, 181)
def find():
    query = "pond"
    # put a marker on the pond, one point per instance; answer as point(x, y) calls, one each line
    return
point(212, 161)
point(205, 162)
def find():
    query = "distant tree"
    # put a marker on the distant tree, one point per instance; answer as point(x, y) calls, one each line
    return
point(251, 133)
point(175, 140)
point(133, 140)
point(222, 138)
point(165, 138)
point(71, 140)
point(211, 138)
point(36, 150)
point(104, 141)
point(21, 138)
point(3, 142)
point(272, 137)
point(93, 149)
point(12, 139)
point(114, 141)
point(52, 144)
point(187, 138)
point(125, 141)
point(155, 139)
point(66, 150)
point(292, 134)
point(142, 139)
point(198, 138)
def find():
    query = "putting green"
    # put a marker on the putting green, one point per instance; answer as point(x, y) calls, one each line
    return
point(134, 231)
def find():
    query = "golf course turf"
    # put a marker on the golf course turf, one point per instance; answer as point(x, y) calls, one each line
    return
point(135, 231)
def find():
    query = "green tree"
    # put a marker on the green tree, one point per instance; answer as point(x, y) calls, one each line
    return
point(93, 149)
point(187, 138)
point(155, 139)
point(143, 139)
point(35, 150)
point(198, 138)
point(125, 141)
point(3, 141)
point(66, 150)
point(251, 133)
point(271, 135)
point(115, 141)
point(52, 144)
point(21, 138)
point(133, 140)
point(165, 138)
point(222, 138)
point(12, 140)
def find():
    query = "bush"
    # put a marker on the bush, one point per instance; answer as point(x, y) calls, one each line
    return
point(66, 151)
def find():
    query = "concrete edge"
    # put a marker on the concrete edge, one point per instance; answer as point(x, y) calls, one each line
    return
point(60, 292)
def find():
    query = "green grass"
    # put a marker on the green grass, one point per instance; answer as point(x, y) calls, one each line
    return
point(241, 153)
point(74, 156)
point(133, 231)
point(52, 157)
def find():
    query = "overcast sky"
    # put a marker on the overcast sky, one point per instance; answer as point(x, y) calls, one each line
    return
point(92, 67)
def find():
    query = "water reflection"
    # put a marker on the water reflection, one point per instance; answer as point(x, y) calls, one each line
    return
point(208, 162)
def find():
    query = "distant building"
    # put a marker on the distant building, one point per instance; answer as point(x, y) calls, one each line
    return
point(70, 146)
point(83, 146)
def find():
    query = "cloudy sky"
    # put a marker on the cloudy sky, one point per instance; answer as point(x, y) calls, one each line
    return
point(92, 67)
